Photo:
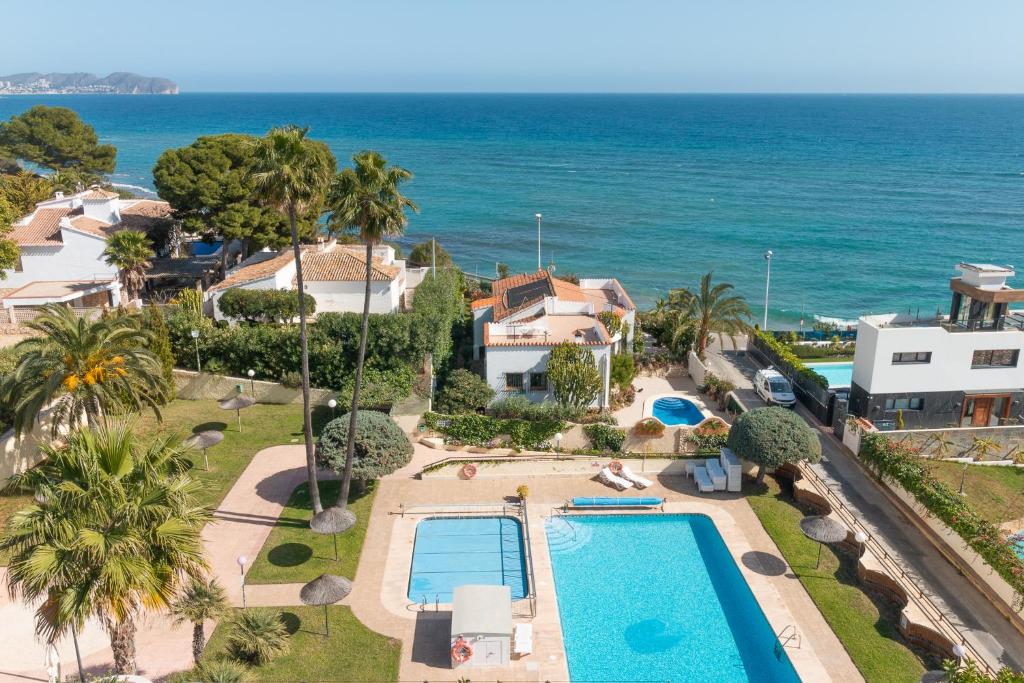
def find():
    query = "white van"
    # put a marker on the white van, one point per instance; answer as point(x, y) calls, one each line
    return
point(774, 388)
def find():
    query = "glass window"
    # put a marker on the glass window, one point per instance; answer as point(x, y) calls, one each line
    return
point(915, 403)
point(514, 381)
point(911, 357)
point(538, 381)
point(995, 358)
point(780, 386)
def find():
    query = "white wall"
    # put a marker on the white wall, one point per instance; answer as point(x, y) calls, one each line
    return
point(337, 297)
point(79, 258)
point(950, 367)
point(502, 359)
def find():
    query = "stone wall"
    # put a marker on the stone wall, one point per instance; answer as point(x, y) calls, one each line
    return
point(1009, 438)
point(19, 454)
point(196, 386)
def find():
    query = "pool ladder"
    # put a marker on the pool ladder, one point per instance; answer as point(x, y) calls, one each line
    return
point(787, 637)
point(437, 602)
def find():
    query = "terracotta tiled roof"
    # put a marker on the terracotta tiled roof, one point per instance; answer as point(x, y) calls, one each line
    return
point(149, 208)
point(343, 265)
point(253, 272)
point(482, 303)
point(92, 226)
point(43, 230)
point(97, 194)
point(564, 290)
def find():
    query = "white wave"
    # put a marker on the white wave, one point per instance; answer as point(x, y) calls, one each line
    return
point(841, 322)
point(135, 187)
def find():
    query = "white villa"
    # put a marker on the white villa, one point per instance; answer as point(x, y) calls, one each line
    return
point(516, 327)
point(61, 244)
point(334, 275)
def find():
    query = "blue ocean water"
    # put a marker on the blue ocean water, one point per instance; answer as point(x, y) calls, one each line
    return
point(657, 598)
point(867, 201)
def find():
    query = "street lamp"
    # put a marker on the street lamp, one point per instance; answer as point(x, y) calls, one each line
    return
point(538, 217)
point(959, 652)
point(252, 382)
point(767, 282)
point(333, 405)
point(242, 559)
point(558, 441)
point(195, 338)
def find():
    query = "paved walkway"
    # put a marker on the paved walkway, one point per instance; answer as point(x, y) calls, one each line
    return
point(986, 627)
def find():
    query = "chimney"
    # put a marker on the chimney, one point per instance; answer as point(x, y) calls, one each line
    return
point(58, 195)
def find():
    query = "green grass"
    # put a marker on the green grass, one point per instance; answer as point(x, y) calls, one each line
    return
point(866, 625)
point(997, 493)
point(352, 652)
point(294, 554)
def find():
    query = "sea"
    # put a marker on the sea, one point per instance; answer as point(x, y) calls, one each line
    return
point(867, 202)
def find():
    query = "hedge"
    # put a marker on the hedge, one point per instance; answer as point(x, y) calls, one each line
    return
point(893, 462)
point(481, 430)
point(604, 437)
point(786, 358)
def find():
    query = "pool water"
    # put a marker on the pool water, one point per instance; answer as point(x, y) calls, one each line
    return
point(456, 551)
point(838, 374)
point(657, 598)
point(672, 410)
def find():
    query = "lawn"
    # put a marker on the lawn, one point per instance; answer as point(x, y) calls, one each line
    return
point(294, 554)
point(351, 653)
point(997, 493)
point(866, 625)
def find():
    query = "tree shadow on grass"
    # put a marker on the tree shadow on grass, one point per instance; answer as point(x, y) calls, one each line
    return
point(289, 554)
point(329, 489)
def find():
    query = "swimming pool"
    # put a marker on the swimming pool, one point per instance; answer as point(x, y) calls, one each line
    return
point(673, 410)
point(455, 551)
point(657, 598)
point(1018, 543)
point(838, 374)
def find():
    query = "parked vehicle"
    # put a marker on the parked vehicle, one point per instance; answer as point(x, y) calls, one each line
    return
point(774, 388)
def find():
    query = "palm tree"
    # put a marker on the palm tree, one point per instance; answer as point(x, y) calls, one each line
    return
point(202, 600)
point(366, 198)
point(710, 310)
point(129, 251)
point(84, 368)
point(292, 174)
point(114, 530)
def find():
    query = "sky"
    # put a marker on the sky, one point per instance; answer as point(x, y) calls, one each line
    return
point(530, 45)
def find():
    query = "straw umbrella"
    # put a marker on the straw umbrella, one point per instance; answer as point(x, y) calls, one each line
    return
point(237, 404)
point(333, 521)
point(204, 440)
point(325, 590)
point(822, 529)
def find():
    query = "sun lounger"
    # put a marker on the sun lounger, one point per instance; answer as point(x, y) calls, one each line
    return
point(716, 473)
point(733, 469)
point(607, 477)
point(690, 466)
point(704, 483)
point(522, 644)
point(632, 476)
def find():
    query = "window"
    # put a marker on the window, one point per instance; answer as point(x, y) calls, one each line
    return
point(514, 381)
point(904, 403)
point(780, 386)
point(538, 381)
point(995, 358)
point(911, 357)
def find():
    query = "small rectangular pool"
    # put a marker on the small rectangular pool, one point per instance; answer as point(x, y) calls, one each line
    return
point(658, 598)
point(839, 375)
point(456, 551)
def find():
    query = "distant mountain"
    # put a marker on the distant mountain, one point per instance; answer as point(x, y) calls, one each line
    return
point(121, 83)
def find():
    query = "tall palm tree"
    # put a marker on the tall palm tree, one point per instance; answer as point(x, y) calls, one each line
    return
point(366, 197)
point(85, 368)
point(114, 530)
point(129, 251)
point(292, 173)
point(713, 309)
point(202, 600)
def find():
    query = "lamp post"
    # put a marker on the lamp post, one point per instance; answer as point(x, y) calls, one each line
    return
point(767, 283)
point(959, 652)
point(252, 381)
point(861, 539)
point(195, 338)
point(333, 405)
point(242, 559)
point(538, 217)
point(558, 441)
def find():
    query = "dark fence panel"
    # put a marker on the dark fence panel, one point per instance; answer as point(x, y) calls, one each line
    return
point(817, 399)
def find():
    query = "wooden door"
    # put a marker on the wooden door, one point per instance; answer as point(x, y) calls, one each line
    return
point(982, 411)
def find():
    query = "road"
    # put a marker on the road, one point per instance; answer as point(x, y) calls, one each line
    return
point(965, 606)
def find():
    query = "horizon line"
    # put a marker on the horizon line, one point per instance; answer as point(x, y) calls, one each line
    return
point(663, 93)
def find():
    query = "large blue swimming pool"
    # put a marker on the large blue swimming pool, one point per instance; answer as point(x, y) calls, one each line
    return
point(838, 374)
point(455, 551)
point(673, 410)
point(658, 598)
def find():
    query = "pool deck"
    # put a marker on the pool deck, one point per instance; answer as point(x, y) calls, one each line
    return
point(380, 601)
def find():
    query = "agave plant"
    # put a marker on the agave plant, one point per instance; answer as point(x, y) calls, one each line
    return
point(257, 636)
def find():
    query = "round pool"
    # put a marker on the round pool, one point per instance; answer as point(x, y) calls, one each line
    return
point(673, 410)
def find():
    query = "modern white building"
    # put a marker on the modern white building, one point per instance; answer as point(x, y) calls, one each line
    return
point(334, 275)
point(61, 247)
point(963, 370)
point(527, 315)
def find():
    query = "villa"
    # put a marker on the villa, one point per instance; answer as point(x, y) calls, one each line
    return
point(61, 247)
point(334, 275)
point(960, 371)
point(527, 315)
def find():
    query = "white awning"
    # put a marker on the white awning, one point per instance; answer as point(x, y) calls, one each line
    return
point(482, 610)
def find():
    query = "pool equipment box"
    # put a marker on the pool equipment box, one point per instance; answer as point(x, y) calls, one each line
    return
point(481, 626)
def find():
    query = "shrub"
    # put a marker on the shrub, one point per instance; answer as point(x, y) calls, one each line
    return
point(257, 636)
point(611, 322)
point(263, 305)
point(464, 392)
point(649, 427)
point(482, 430)
point(221, 671)
point(429, 254)
point(160, 344)
point(437, 307)
point(771, 437)
point(522, 491)
point(605, 438)
point(190, 301)
point(381, 388)
point(517, 407)
point(968, 672)
point(575, 379)
point(623, 371)
point(381, 446)
point(709, 435)
point(785, 358)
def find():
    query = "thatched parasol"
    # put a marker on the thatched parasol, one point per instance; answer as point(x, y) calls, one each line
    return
point(237, 404)
point(325, 590)
point(204, 440)
point(333, 521)
point(822, 529)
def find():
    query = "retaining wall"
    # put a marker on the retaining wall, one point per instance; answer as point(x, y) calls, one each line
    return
point(1010, 439)
point(196, 386)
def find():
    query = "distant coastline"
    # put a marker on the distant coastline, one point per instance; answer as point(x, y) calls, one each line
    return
point(119, 83)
